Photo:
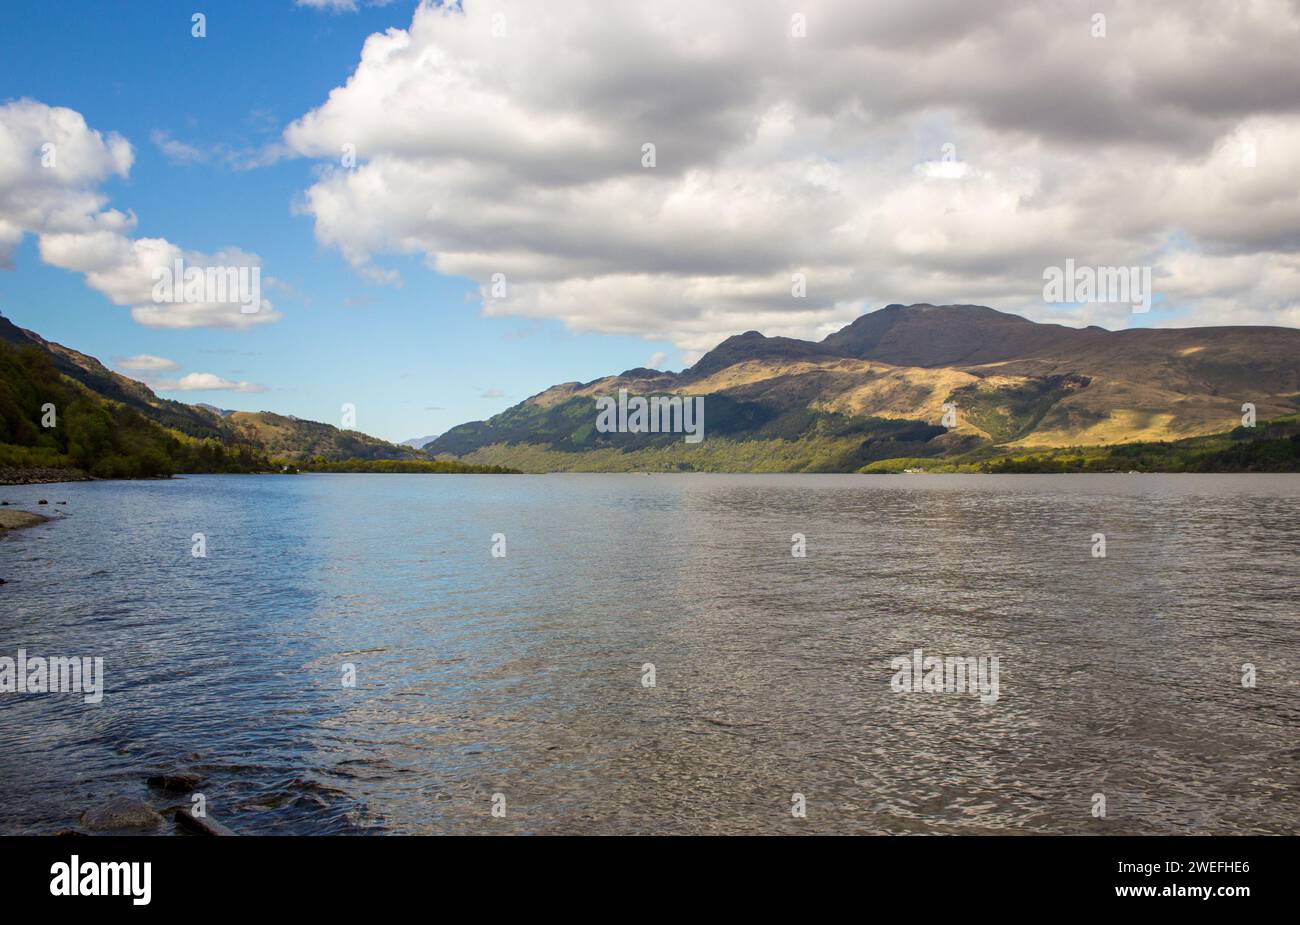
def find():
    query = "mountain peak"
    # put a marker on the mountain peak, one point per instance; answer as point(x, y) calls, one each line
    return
point(643, 372)
point(903, 335)
point(753, 345)
point(943, 335)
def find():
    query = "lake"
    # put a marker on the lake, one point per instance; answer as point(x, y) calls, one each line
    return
point(522, 682)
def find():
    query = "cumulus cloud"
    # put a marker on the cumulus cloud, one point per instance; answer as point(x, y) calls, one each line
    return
point(205, 382)
point(815, 159)
point(52, 165)
point(147, 368)
point(147, 363)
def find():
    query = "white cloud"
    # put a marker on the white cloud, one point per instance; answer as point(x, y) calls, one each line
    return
point(205, 382)
point(51, 167)
point(144, 362)
point(657, 359)
point(177, 151)
point(936, 151)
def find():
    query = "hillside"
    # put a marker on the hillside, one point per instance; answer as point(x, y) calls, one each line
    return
point(98, 379)
point(292, 438)
point(108, 425)
point(90, 434)
point(876, 390)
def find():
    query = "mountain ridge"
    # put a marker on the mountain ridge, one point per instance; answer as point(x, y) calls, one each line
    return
point(1015, 383)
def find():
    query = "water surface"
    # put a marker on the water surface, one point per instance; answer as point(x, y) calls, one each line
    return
point(522, 676)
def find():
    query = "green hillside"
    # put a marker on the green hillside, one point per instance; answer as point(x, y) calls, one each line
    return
point(94, 435)
point(105, 425)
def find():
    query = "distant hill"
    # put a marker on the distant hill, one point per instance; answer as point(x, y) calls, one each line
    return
point(417, 443)
point(293, 438)
point(876, 389)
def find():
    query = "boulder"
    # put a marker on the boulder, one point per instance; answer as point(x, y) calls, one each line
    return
point(121, 813)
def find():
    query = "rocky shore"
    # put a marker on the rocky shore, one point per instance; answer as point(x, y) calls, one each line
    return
point(9, 475)
point(122, 814)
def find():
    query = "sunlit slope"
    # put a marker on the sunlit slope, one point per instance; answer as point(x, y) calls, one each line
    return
point(1013, 383)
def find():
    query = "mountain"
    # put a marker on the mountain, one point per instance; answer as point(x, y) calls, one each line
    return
point(417, 443)
point(109, 425)
point(876, 390)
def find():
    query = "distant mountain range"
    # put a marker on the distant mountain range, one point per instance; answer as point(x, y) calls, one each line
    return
point(876, 390)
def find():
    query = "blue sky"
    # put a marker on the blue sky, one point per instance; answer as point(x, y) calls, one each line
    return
point(510, 135)
point(414, 360)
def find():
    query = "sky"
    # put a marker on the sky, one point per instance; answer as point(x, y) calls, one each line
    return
point(454, 207)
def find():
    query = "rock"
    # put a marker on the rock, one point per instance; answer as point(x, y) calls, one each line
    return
point(202, 824)
point(121, 813)
point(42, 501)
point(180, 782)
point(3, 582)
point(60, 502)
point(15, 520)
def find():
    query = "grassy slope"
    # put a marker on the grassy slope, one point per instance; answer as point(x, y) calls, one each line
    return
point(561, 438)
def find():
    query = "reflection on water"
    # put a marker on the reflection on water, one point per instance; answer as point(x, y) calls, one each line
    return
point(522, 676)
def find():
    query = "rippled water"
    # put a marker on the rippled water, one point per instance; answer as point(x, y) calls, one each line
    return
point(522, 675)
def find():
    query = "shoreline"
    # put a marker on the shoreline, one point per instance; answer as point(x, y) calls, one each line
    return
point(73, 479)
point(13, 475)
